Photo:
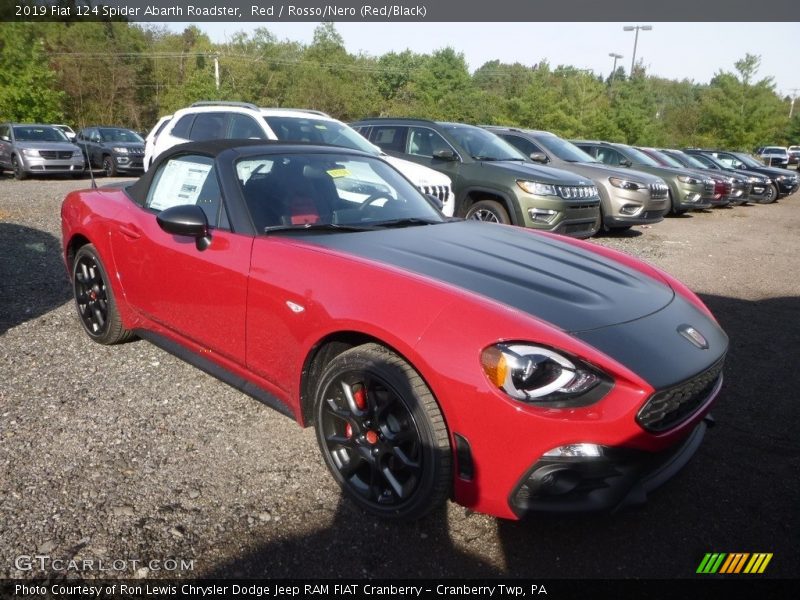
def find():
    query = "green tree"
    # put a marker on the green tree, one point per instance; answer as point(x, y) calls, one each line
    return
point(29, 88)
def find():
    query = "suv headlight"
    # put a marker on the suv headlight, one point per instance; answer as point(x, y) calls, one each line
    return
point(536, 188)
point(542, 376)
point(30, 152)
point(626, 184)
point(689, 179)
point(120, 150)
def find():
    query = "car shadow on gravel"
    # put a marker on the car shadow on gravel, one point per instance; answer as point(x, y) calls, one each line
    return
point(737, 494)
point(32, 276)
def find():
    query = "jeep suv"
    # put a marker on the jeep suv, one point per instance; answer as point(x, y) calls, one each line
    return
point(686, 191)
point(219, 120)
point(32, 149)
point(115, 149)
point(492, 180)
point(627, 197)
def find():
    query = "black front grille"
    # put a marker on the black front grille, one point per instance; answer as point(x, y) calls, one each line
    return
point(670, 407)
point(56, 154)
point(136, 151)
point(709, 188)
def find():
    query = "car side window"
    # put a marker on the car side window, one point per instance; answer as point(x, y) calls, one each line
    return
point(208, 126)
point(245, 127)
point(425, 142)
point(189, 179)
point(389, 137)
point(525, 146)
point(183, 126)
point(609, 156)
point(4, 132)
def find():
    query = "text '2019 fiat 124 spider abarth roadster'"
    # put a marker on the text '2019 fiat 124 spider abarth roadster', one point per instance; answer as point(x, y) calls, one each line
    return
point(510, 370)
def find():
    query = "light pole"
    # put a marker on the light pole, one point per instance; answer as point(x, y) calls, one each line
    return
point(615, 56)
point(636, 28)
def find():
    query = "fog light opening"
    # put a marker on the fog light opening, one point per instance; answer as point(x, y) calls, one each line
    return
point(542, 215)
point(630, 209)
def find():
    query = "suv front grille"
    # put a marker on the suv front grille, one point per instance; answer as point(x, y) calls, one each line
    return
point(136, 151)
point(575, 192)
point(708, 187)
point(658, 191)
point(56, 154)
point(442, 192)
point(670, 407)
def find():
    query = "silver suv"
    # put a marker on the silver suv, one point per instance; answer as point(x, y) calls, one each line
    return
point(209, 120)
point(28, 149)
point(627, 197)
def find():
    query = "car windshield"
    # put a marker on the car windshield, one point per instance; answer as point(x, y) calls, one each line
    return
point(483, 145)
point(688, 160)
point(639, 157)
point(318, 131)
point(665, 159)
point(335, 192)
point(774, 150)
point(108, 134)
point(747, 159)
point(31, 133)
point(564, 150)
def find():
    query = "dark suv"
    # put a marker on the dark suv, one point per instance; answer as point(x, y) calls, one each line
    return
point(115, 149)
point(782, 181)
point(492, 180)
point(687, 191)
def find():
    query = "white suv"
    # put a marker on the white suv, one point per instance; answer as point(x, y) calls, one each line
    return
point(221, 120)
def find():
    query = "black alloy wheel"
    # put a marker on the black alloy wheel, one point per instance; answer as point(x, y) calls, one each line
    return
point(382, 434)
point(94, 299)
point(771, 194)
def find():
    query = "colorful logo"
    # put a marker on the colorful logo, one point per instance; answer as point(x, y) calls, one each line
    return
point(734, 563)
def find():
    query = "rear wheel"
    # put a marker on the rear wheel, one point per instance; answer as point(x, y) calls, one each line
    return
point(19, 170)
point(490, 211)
point(94, 299)
point(382, 434)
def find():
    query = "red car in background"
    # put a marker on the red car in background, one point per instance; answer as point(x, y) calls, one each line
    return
point(508, 369)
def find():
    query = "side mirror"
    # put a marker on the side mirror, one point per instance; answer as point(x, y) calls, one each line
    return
point(5, 138)
point(446, 154)
point(625, 163)
point(435, 200)
point(539, 157)
point(188, 220)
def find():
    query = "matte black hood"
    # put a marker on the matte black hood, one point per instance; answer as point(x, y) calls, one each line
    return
point(541, 275)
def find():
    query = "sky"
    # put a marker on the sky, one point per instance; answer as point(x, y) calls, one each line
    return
point(694, 51)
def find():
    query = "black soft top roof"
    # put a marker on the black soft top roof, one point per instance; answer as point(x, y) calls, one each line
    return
point(213, 148)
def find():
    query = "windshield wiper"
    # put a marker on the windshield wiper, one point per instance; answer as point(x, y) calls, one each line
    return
point(318, 227)
point(407, 222)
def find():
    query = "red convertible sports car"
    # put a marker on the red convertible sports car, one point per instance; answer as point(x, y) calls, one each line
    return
point(508, 369)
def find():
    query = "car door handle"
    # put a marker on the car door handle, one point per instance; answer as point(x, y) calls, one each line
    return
point(130, 231)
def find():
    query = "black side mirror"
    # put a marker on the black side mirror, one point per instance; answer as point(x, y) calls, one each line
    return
point(625, 163)
point(539, 157)
point(188, 220)
point(435, 200)
point(446, 154)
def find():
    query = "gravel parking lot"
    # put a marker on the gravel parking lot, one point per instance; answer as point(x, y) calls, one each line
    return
point(129, 456)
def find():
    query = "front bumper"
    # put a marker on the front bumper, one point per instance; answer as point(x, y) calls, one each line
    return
point(37, 164)
point(621, 477)
point(787, 187)
point(578, 218)
point(694, 196)
point(128, 163)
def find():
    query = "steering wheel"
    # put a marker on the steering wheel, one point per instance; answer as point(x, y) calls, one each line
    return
point(374, 198)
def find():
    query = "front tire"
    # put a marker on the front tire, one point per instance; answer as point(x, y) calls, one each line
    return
point(771, 196)
point(94, 299)
point(109, 166)
point(19, 170)
point(489, 211)
point(382, 434)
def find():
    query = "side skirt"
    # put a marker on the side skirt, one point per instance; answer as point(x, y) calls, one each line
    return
point(215, 370)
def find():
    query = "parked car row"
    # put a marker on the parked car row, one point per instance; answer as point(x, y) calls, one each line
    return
point(37, 149)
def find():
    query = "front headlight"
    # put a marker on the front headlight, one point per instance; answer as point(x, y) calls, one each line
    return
point(120, 150)
point(30, 152)
point(541, 376)
point(689, 179)
point(536, 188)
point(626, 184)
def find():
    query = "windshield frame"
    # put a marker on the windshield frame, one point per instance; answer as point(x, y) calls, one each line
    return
point(457, 133)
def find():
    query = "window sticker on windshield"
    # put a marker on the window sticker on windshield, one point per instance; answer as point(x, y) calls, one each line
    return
point(339, 173)
point(320, 126)
point(180, 183)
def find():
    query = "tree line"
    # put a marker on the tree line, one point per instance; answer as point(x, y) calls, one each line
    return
point(126, 74)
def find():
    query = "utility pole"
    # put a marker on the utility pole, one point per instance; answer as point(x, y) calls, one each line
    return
point(636, 28)
point(791, 104)
point(216, 70)
point(615, 56)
